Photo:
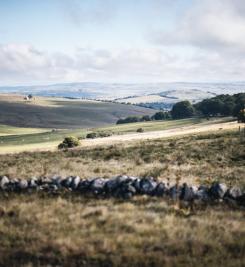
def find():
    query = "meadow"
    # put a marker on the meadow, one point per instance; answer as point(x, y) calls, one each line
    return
point(21, 139)
point(73, 230)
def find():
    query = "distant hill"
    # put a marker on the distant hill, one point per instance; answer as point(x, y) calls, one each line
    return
point(63, 113)
point(167, 99)
point(95, 90)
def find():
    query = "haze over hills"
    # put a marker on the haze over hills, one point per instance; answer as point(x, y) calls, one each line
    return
point(96, 90)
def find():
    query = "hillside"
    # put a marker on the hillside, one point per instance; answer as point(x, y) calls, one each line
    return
point(166, 99)
point(97, 90)
point(63, 113)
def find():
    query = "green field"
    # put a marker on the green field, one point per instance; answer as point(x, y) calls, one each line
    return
point(29, 138)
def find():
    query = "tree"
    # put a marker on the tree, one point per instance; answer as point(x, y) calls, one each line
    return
point(182, 110)
point(211, 107)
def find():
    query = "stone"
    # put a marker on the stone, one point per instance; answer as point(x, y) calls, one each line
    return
point(161, 190)
point(233, 192)
point(111, 185)
point(4, 181)
point(241, 200)
point(23, 184)
point(148, 185)
point(66, 182)
point(202, 193)
point(174, 192)
point(126, 191)
point(33, 183)
point(98, 186)
point(75, 182)
point(187, 193)
point(84, 185)
point(136, 185)
point(217, 190)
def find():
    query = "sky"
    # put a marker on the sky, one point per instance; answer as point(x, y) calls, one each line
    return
point(125, 41)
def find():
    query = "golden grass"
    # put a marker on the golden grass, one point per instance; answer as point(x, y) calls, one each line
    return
point(69, 229)
point(75, 231)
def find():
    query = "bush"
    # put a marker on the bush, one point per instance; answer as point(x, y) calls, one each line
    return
point(98, 134)
point(69, 142)
point(241, 116)
point(91, 135)
point(140, 130)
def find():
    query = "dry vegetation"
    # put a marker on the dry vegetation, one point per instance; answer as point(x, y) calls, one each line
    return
point(72, 230)
point(195, 158)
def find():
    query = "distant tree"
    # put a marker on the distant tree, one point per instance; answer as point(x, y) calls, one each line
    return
point(146, 118)
point(182, 109)
point(211, 107)
point(161, 115)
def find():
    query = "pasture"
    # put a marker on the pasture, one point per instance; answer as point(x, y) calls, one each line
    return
point(39, 229)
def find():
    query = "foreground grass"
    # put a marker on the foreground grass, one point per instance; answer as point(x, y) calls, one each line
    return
point(76, 231)
point(72, 230)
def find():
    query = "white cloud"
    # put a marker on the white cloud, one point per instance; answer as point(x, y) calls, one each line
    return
point(24, 64)
point(209, 24)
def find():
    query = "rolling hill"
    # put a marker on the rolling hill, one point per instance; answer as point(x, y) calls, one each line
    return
point(63, 113)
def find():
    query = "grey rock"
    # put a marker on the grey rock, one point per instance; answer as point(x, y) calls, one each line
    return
point(75, 182)
point(111, 185)
point(148, 185)
point(4, 181)
point(217, 190)
point(187, 193)
point(174, 192)
point(84, 185)
point(233, 192)
point(161, 190)
point(33, 183)
point(98, 185)
point(23, 184)
point(202, 193)
point(67, 182)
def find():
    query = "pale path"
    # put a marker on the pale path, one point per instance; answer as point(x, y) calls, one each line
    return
point(185, 130)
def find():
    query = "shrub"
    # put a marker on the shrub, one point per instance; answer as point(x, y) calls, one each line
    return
point(241, 116)
point(98, 134)
point(69, 142)
point(140, 130)
point(91, 135)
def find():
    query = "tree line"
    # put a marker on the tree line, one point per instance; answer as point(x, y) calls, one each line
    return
point(221, 105)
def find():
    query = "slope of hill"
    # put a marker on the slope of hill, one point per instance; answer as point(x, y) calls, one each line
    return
point(63, 113)
point(169, 97)
point(166, 99)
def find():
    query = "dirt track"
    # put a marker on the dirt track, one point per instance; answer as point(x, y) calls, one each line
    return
point(162, 134)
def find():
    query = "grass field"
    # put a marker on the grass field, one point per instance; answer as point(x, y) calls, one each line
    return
point(63, 113)
point(73, 230)
point(24, 139)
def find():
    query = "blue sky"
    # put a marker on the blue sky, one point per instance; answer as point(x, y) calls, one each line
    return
point(121, 41)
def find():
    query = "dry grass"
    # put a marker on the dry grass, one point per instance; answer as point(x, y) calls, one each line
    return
point(75, 231)
point(72, 230)
point(195, 159)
